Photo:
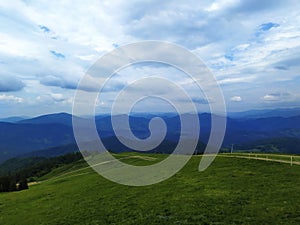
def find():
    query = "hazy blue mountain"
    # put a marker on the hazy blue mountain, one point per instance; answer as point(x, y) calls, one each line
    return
point(52, 152)
point(280, 145)
point(285, 112)
point(55, 130)
point(15, 164)
point(13, 119)
point(59, 118)
point(16, 139)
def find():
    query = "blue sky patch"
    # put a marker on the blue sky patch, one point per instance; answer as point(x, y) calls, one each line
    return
point(268, 26)
point(44, 28)
point(57, 54)
point(229, 57)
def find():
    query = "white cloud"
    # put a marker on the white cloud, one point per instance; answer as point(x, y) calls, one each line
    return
point(14, 46)
point(269, 97)
point(57, 97)
point(278, 96)
point(236, 98)
point(236, 80)
point(220, 5)
point(10, 98)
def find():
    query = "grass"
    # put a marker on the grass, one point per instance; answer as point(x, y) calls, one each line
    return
point(230, 191)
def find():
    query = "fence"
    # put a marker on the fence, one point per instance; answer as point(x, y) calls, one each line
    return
point(291, 159)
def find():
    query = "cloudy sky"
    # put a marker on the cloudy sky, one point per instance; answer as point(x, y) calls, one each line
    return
point(252, 47)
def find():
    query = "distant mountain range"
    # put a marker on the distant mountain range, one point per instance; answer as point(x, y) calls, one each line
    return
point(13, 119)
point(285, 112)
point(17, 138)
point(52, 135)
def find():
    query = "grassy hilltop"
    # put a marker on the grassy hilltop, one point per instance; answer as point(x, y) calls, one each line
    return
point(230, 191)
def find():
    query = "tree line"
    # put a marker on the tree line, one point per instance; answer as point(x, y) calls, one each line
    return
point(18, 180)
point(12, 183)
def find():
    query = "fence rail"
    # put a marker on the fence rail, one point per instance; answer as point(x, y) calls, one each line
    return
point(290, 159)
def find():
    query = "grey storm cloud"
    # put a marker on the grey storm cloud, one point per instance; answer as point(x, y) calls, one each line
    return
point(10, 83)
point(92, 86)
point(287, 63)
point(57, 81)
point(280, 67)
point(202, 101)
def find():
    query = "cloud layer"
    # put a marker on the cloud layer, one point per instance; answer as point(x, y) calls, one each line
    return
point(252, 47)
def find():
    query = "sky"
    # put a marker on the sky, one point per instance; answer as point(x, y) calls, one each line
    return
point(251, 47)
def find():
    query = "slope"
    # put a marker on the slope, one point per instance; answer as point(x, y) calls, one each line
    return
point(230, 191)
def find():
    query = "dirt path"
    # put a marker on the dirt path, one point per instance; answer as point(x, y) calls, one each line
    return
point(148, 158)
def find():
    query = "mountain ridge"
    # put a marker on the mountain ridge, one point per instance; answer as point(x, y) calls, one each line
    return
point(55, 130)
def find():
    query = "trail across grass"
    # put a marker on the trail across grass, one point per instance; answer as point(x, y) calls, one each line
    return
point(74, 172)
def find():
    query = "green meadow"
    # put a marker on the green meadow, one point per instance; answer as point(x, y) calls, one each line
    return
point(230, 191)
